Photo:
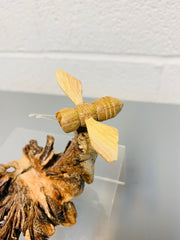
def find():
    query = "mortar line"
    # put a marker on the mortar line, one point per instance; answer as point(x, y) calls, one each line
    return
point(94, 57)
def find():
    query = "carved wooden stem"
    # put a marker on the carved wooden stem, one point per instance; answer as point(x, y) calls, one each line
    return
point(37, 195)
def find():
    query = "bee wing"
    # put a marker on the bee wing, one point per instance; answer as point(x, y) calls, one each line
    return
point(70, 85)
point(104, 139)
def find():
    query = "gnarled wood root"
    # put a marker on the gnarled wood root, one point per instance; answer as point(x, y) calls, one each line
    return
point(37, 195)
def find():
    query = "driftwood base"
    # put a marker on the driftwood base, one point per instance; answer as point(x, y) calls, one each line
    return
point(37, 195)
point(27, 236)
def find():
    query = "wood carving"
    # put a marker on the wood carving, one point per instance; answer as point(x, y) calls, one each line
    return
point(37, 195)
point(104, 139)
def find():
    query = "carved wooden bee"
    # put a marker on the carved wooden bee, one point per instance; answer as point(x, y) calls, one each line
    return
point(37, 195)
point(104, 139)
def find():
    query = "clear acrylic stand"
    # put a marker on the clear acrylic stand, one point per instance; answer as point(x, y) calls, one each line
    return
point(95, 204)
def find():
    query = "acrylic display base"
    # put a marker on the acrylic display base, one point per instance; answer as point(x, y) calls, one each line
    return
point(95, 204)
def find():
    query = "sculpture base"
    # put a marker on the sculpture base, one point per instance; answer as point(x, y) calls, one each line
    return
point(95, 204)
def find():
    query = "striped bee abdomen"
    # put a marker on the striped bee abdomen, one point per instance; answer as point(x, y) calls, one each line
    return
point(107, 107)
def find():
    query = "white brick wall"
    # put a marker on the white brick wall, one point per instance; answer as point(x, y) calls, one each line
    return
point(126, 48)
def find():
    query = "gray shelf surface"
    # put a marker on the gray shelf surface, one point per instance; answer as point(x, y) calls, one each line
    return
point(148, 207)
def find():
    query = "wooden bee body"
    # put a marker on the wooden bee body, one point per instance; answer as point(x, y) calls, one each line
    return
point(107, 107)
point(101, 109)
point(103, 138)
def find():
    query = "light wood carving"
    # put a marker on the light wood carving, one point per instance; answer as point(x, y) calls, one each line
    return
point(37, 195)
point(70, 85)
point(103, 139)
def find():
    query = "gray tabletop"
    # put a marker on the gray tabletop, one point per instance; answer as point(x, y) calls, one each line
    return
point(148, 207)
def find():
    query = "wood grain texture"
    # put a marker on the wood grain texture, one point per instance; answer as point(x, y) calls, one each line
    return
point(70, 85)
point(101, 109)
point(104, 139)
point(37, 195)
point(85, 111)
point(107, 107)
point(68, 119)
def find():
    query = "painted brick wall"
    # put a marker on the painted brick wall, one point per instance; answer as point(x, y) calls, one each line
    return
point(126, 48)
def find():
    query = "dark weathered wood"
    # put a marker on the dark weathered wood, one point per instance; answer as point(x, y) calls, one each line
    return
point(37, 195)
